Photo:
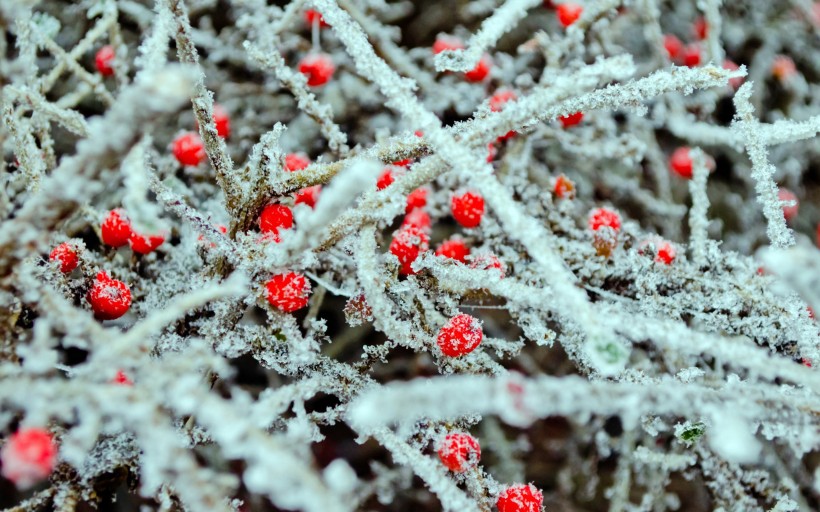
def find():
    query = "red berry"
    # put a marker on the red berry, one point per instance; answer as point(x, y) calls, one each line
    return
point(673, 47)
point(275, 217)
point(731, 66)
point(222, 121)
point(385, 179)
point(115, 230)
point(308, 195)
point(789, 212)
point(681, 163)
point(188, 149)
point(563, 188)
point(459, 451)
point(416, 199)
point(571, 119)
point(288, 292)
point(296, 162)
point(455, 249)
point(487, 262)
point(700, 28)
point(29, 456)
point(604, 217)
point(459, 336)
point(783, 68)
point(408, 242)
point(66, 254)
point(480, 71)
point(122, 379)
point(499, 99)
point(568, 13)
point(418, 218)
point(312, 15)
point(467, 209)
point(403, 163)
point(109, 298)
point(520, 498)
point(666, 253)
point(444, 42)
point(143, 244)
point(318, 68)
point(103, 59)
point(691, 55)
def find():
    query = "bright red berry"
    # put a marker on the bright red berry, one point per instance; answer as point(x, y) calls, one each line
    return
point(460, 335)
point(700, 28)
point(416, 199)
point(385, 179)
point(403, 163)
point(222, 121)
point(66, 254)
point(29, 456)
point(455, 249)
point(288, 292)
point(673, 47)
point(571, 119)
point(500, 98)
point(520, 498)
point(115, 229)
point(731, 66)
point(144, 244)
point(604, 217)
point(568, 13)
point(109, 298)
point(487, 262)
point(459, 451)
point(789, 212)
point(275, 217)
point(419, 219)
point(467, 209)
point(318, 68)
point(296, 162)
point(188, 149)
point(666, 253)
point(408, 242)
point(308, 195)
point(681, 163)
point(122, 379)
point(480, 71)
point(445, 42)
point(691, 55)
point(563, 188)
point(312, 16)
point(103, 60)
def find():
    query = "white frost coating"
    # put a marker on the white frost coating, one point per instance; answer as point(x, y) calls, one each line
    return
point(731, 437)
point(698, 222)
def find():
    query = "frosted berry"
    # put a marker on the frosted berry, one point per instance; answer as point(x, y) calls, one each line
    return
point(731, 66)
point(568, 13)
point(459, 336)
point(115, 229)
point(103, 60)
point(408, 242)
point(29, 456)
point(109, 298)
point(783, 68)
point(467, 209)
point(144, 244)
point(673, 47)
point(455, 249)
point(480, 71)
point(789, 212)
point(666, 253)
point(604, 217)
point(691, 55)
point(499, 99)
point(318, 68)
point(188, 149)
point(571, 119)
point(288, 292)
point(122, 379)
point(419, 219)
point(459, 452)
point(416, 199)
point(444, 42)
point(487, 262)
point(563, 188)
point(312, 16)
point(296, 162)
point(275, 217)
point(222, 121)
point(681, 163)
point(520, 498)
point(700, 28)
point(308, 195)
point(66, 254)
point(385, 179)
